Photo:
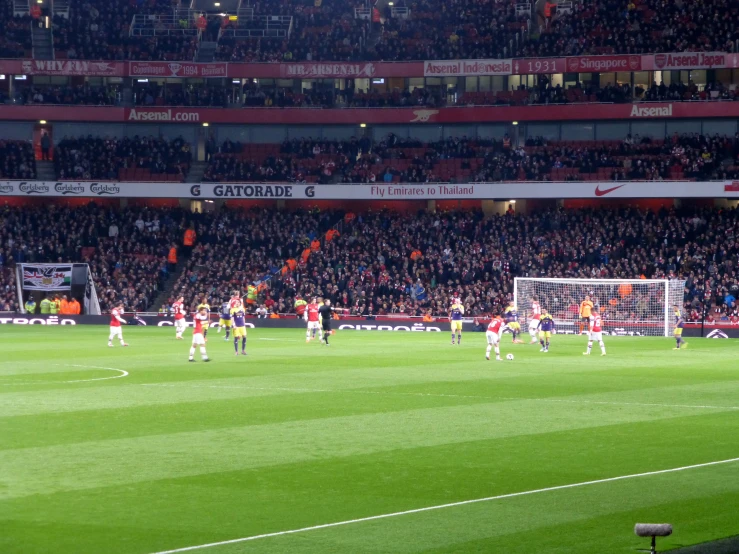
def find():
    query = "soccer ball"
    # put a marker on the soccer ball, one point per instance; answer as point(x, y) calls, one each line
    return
point(509, 356)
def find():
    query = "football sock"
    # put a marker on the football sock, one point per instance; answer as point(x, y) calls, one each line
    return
point(602, 347)
point(236, 344)
point(541, 341)
point(307, 335)
point(228, 333)
point(203, 354)
point(497, 351)
point(590, 346)
point(452, 337)
point(192, 352)
point(489, 348)
point(459, 338)
point(243, 344)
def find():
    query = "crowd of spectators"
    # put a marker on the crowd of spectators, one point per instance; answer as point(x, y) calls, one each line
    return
point(17, 160)
point(638, 27)
point(455, 159)
point(321, 31)
point(236, 249)
point(431, 29)
point(15, 32)
point(377, 263)
point(98, 30)
point(68, 95)
point(137, 158)
point(252, 95)
point(154, 94)
point(414, 264)
point(464, 29)
point(126, 249)
point(386, 263)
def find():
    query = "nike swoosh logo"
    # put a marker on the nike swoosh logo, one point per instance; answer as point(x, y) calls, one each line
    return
point(599, 192)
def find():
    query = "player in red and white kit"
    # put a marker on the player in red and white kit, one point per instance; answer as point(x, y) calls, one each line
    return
point(596, 333)
point(535, 316)
point(235, 300)
point(198, 334)
point(314, 321)
point(180, 323)
point(495, 330)
point(115, 325)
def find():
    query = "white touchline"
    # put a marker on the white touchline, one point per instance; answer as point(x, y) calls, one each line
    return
point(440, 395)
point(123, 373)
point(443, 506)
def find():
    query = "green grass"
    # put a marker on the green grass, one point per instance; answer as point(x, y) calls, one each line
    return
point(297, 435)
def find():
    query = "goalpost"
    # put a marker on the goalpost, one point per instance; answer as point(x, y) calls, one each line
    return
point(641, 307)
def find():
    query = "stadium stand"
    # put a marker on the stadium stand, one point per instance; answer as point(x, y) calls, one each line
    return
point(252, 95)
point(379, 263)
point(638, 26)
point(481, 160)
point(331, 30)
point(17, 160)
point(15, 32)
point(127, 159)
point(126, 249)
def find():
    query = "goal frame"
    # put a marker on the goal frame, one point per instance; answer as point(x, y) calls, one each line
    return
point(665, 283)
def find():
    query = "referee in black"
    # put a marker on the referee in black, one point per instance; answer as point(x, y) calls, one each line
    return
point(326, 312)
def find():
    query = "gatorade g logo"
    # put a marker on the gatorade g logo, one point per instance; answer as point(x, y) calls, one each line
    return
point(310, 191)
point(195, 190)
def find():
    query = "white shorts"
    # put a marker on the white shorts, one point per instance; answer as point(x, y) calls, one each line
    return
point(314, 325)
point(116, 332)
point(596, 336)
point(180, 325)
point(198, 339)
point(533, 324)
point(493, 338)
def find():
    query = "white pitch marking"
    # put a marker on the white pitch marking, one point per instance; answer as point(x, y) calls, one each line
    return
point(123, 373)
point(450, 505)
point(279, 340)
point(434, 395)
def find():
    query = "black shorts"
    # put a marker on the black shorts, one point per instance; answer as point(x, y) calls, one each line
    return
point(326, 325)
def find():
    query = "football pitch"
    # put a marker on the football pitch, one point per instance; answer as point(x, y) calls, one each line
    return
point(382, 442)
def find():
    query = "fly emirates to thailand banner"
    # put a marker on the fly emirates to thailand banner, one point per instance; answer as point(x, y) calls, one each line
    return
point(379, 191)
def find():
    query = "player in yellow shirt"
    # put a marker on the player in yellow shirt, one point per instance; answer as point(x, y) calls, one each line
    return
point(204, 305)
point(456, 313)
point(511, 320)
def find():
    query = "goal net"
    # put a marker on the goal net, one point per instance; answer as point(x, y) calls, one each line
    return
point(637, 307)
